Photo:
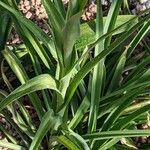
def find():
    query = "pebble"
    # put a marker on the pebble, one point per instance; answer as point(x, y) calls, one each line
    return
point(34, 11)
point(139, 5)
point(28, 15)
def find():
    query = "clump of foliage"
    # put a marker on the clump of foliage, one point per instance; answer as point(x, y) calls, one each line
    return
point(89, 79)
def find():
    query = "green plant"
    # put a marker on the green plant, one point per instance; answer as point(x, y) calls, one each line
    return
point(86, 101)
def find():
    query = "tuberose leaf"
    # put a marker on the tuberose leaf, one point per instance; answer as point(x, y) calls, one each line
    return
point(40, 82)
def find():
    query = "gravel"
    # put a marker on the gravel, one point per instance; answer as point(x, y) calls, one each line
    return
point(139, 5)
point(34, 11)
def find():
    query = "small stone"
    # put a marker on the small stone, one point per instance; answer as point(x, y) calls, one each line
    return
point(38, 2)
point(138, 7)
point(15, 40)
point(145, 126)
point(133, 11)
point(143, 1)
point(143, 8)
point(104, 2)
point(65, 1)
point(27, 3)
point(33, 2)
point(148, 4)
point(28, 15)
point(28, 7)
point(24, 11)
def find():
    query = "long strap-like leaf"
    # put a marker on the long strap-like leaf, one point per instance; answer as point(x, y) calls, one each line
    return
point(40, 82)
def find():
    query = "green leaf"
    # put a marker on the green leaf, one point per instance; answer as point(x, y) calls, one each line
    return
point(116, 134)
point(134, 74)
point(32, 27)
point(21, 106)
point(75, 7)
point(7, 134)
point(19, 71)
point(57, 23)
point(109, 144)
point(98, 73)
point(60, 7)
point(91, 46)
point(49, 121)
point(78, 142)
point(111, 19)
point(11, 145)
point(33, 44)
point(2, 94)
point(143, 31)
point(87, 35)
point(117, 74)
point(114, 115)
point(55, 18)
point(80, 112)
point(5, 28)
point(40, 82)
point(22, 135)
point(124, 122)
point(71, 33)
point(87, 68)
point(66, 142)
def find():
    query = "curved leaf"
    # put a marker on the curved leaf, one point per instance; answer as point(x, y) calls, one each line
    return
point(40, 82)
point(11, 145)
point(37, 31)
point(87, 68)
point(66, 142)
point(116, 134)
point(49, 121)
